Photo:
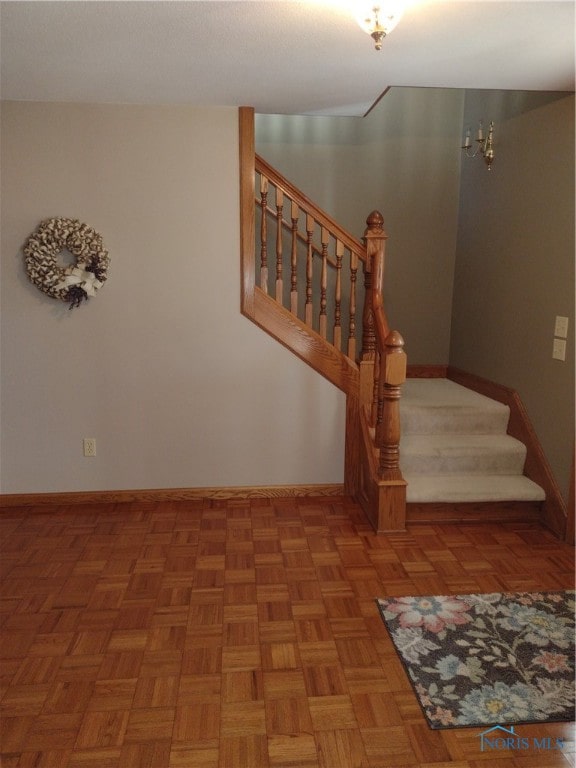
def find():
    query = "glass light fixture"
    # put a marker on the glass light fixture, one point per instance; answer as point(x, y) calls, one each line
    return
point(378, 19)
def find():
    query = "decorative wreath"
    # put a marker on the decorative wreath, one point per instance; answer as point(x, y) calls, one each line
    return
point(71, 284)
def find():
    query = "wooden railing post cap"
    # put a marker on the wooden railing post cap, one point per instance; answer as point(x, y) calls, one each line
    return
point(394, 339)
point(375, 222)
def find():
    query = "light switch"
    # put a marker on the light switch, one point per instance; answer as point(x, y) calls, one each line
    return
point(559, 349)
point(561, 327)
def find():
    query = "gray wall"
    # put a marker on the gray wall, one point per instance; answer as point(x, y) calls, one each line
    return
point(177, 387)
point(515, 261)
point(402, 159)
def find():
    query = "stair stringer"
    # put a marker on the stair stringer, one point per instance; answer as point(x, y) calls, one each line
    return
point(304, 342)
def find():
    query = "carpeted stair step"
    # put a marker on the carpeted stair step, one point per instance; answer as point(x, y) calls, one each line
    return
point(471, 488)
point(440, 406)
point(455, 448)
point(446, 454)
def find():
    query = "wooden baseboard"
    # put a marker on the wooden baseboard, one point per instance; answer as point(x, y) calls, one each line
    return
point(427, 371)
point(169, 494)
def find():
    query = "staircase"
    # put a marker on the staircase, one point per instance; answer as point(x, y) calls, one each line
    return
point(455, 450)
point(422, 449)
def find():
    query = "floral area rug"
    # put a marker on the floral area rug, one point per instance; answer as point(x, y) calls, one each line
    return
point(483, 659)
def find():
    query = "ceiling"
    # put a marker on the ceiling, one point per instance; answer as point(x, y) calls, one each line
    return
point(279, 57)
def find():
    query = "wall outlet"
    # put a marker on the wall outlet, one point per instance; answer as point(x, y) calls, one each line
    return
point(561, 327)
point(89, 446)
point(559, 349)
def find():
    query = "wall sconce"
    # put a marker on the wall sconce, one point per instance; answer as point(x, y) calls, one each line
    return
point(484, 145)
point(379, 17)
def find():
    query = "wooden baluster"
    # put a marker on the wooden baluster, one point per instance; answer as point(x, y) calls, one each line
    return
point(374, 238)
point(352, 321)
point(366, 363)
point(264, 234)
point(309, 258)
point(392, 376)
point(373, 312)
point(279, 207)
point(293, 260)
point(368, 333)
point(324, 238)
point(368, 370)
point(376, 409)
point(337, 341)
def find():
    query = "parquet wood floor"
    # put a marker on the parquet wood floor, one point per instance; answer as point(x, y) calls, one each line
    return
point(239, 634)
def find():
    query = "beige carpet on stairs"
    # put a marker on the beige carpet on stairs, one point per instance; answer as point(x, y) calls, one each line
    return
point(454, 446)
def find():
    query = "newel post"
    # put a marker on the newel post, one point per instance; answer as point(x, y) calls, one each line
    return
point(375, 241)
point(392, 376)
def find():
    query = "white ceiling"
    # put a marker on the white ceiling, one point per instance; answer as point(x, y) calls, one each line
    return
point(279, 57)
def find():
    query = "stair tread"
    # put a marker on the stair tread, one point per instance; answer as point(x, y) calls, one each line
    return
point(431, 406)
point(462, 454)
point(453, 444)
point(462, 488)
point(444, 392)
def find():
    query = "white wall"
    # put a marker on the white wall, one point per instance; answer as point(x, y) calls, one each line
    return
point(177, 387)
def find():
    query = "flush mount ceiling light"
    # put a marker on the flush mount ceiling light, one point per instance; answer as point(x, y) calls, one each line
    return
point(378, 19)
